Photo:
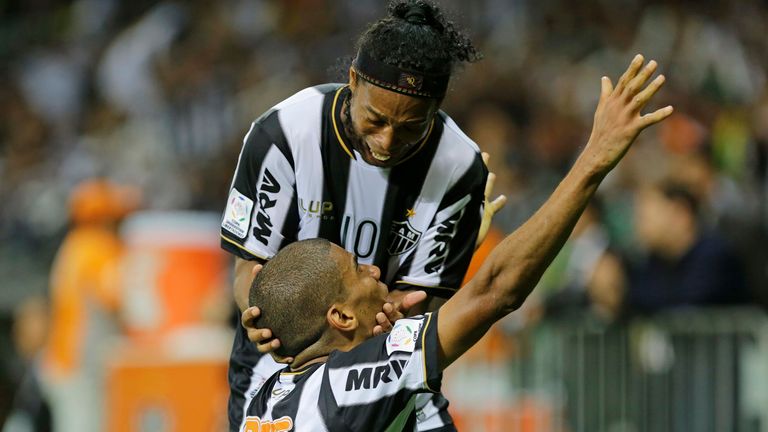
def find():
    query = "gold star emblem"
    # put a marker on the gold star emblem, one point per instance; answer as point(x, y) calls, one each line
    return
point(409, 213)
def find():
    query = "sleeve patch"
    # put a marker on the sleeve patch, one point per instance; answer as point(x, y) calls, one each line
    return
point(238, 213)
point(404, 335)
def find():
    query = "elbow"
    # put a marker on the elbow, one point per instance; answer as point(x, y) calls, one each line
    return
point(512, 290)
point(512, 303)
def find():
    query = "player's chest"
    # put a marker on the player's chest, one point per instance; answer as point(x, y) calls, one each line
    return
point(368, 209)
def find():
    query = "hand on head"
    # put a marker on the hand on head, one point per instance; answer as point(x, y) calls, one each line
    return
point(397, 306)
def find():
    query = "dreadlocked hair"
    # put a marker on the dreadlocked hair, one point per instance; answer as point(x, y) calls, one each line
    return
point(417, 36)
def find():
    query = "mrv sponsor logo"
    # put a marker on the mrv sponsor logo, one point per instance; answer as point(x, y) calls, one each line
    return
point(445, 233)
point(266, 200)
point(365, 378)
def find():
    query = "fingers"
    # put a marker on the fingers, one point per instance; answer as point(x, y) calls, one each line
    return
point(412, 299)
point(489, 184)
point(263, 338)
point(637, 83)
point(656, 116)
point(383, 324)
point(644, 96)
point(498, 203)
point(249, 315)
point(486, 157)
point(377, 330)
point(630, 73)
point(268, 345)
point(606, 88)
point(392, 312)
point(385, 319)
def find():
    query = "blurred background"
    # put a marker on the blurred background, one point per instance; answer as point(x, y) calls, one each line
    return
point(120, 126)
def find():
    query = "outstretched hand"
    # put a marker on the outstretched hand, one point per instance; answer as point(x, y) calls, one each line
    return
point(618, 120)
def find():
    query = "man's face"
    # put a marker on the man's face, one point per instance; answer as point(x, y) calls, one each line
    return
point(386, 124)
point(652, 218)
point(364, 293)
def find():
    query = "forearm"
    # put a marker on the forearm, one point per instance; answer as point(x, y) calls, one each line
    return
point(242, 282)
point(515, 266)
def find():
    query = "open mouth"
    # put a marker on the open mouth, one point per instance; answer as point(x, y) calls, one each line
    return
point(379, 156)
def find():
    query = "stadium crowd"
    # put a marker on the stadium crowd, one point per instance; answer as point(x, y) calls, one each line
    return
point(158, 95)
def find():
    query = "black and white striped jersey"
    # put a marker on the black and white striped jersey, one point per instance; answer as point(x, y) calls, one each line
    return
point(370, 388)
point(297, 178)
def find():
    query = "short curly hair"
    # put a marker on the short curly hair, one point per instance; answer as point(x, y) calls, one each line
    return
point(417, 36)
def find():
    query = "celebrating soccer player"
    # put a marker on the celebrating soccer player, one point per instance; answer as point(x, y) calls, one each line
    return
point(373, 166)
point(320, 300)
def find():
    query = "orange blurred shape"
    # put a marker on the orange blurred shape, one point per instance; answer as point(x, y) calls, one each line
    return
point(681, 134)
point(174, 270)
point(149, 392)
point(493, 238)
point(99, 200)
point(525, 415)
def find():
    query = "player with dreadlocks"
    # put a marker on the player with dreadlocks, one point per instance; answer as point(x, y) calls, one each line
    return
point(373, 166)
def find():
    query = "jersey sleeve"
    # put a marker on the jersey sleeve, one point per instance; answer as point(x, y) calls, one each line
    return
point(260, 213)
point(371, 386)
point(441, 260)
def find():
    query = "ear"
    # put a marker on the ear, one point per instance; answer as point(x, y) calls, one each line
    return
point(341, 318)
point(352, 78)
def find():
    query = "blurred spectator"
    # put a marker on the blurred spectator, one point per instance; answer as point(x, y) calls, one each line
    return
point(84, 305)
point(686, 264)
point(586, 274)
point(30, 411)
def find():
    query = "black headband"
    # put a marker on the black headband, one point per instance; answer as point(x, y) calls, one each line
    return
point(403, 81)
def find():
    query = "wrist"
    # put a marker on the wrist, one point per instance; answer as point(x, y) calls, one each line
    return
point(589, 168)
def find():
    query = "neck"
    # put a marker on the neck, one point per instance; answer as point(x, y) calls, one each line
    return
point(347, 127)
point(319, 351)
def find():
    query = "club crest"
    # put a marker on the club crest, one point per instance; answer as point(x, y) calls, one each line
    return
point(403, 238)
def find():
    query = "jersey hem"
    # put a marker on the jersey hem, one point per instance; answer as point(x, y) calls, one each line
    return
point(240, 249)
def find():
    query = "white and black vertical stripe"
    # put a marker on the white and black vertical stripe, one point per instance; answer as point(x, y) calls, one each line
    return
point(462, 246)
point(336, 165)
point(406, 182)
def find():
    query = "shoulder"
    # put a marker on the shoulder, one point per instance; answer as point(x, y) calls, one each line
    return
point(305, 102)
point(457, 151)
point(456, 137)
point(405, 338)
point(308, 96)
point(453, 138)
point(297, 120)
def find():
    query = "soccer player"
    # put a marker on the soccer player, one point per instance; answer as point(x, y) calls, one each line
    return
point(373, 166)
point(320, 300)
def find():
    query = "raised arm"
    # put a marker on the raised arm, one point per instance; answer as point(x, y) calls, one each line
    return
point(516, 264)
